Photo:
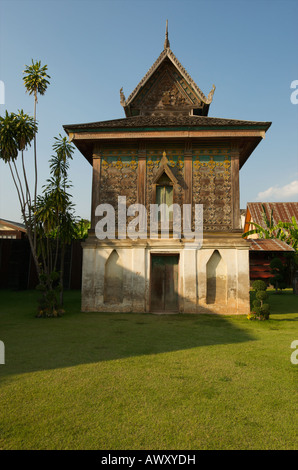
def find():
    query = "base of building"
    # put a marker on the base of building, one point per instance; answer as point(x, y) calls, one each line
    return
point(166, 276)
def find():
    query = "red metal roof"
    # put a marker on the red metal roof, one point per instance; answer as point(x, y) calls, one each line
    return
point(282, 211)
point(270, 244)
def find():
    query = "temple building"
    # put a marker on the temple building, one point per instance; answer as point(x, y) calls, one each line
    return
point(167, 150)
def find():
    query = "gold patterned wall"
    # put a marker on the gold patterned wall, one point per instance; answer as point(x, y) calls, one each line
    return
point(211, 180)
point(212, 186)
point(119, 176)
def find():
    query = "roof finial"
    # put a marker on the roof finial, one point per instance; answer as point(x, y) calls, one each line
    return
point(122, 97)
point(167, 42)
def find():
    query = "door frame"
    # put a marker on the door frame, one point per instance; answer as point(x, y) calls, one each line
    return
point(164, 253)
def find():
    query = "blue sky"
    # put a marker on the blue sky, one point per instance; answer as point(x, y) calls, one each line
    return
point(248, 49)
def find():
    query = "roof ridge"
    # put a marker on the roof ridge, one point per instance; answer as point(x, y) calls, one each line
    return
point(146, 76)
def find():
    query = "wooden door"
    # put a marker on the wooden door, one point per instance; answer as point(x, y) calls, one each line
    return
point(164, 283)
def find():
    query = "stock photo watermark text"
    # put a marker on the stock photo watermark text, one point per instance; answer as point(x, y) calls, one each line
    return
point(294, 355)
point(294, 94)
point(2, 352)
point(163, 218)
point(2, 92)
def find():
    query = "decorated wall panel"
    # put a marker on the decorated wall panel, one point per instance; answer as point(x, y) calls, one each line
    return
point(119, 176)
point(212, 186)
point(211, 179)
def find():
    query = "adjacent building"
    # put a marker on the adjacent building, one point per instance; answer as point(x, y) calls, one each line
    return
point(263, 250)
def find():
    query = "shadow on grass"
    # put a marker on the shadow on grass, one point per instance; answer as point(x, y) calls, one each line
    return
point(33, 344)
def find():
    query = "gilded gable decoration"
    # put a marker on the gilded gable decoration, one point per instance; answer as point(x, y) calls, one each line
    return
point(164, 168)
point(165, 89)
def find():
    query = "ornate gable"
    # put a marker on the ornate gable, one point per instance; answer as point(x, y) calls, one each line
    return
point(165, 169)
point(166, 90)
point(165, 93)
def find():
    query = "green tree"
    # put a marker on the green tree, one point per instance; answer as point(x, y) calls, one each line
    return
point(81, 229)
point(16, 134)
point(56, 221)
point(49, 218)
point(260, 310)
point(36, 81)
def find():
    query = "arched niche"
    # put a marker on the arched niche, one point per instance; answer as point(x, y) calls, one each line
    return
point(113, 280)
point(216, 271)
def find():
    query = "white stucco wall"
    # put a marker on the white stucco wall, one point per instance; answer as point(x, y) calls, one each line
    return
point(135, 258)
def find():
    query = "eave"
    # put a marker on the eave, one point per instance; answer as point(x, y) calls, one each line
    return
point(247, 139)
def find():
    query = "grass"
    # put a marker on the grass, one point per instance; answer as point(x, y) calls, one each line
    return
point(141, 381)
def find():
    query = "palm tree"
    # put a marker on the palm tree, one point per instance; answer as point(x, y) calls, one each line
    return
point(36, 82)
point(8, 143)
point(26, 129)
point(63, 148)
point(16, 133)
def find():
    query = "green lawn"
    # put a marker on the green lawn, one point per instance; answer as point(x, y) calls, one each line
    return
point(141, 381)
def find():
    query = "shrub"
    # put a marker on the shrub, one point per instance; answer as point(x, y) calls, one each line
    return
point(261, 295)
point(259, 285)
point(260, 311)
point(265, 311)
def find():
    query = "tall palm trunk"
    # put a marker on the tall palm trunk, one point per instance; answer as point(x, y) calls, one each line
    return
point(23, 205)
point(62, 273)
point(35, 165)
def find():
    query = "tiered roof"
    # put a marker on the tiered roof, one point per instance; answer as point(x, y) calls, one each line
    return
point(167, 103)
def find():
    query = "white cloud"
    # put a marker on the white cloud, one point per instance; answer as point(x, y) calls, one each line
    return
point(279, 193)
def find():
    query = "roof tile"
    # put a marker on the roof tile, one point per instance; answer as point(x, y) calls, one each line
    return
point(166, 121)
point(272, 244)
